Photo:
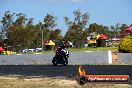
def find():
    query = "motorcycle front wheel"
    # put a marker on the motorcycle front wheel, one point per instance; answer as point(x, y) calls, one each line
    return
point(65, 62)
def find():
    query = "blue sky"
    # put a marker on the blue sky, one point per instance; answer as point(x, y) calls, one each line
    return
point(106, 12)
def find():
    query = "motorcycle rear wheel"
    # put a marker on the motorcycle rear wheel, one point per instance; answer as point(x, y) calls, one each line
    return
point(54, 61)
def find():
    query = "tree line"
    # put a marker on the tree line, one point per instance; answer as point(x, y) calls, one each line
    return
point(16, 30)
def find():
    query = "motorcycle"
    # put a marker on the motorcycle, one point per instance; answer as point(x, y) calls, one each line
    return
point(61, 57)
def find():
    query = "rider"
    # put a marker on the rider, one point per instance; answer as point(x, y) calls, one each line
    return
point(62, 46)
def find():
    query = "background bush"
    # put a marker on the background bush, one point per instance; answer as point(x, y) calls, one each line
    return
point(125, 45)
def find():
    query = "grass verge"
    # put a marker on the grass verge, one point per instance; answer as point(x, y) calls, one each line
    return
point(93, 49)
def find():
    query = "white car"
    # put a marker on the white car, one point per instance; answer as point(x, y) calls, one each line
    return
point(28, 50)
point(25, 50)
point(38, 49)
point(32, 50)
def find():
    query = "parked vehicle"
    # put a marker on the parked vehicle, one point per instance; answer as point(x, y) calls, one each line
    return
point(32, 50)
point(25, 51)
point(38, 49)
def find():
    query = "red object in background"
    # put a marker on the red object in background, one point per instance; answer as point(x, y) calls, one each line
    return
point(128, 31)
point(103, 37)
point(125, 32)
point(1, 49)
point(129, 28)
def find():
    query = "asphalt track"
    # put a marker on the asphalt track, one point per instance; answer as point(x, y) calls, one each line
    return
point(69, 71)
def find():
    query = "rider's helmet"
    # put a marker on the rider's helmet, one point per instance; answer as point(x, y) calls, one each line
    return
point(63, 45)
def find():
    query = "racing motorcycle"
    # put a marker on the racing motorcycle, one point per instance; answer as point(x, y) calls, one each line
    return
point(61, 57)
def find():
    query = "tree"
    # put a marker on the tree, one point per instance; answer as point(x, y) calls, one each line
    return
point(38, 34)
point(48, 29)
point(55, 35)
point(21, 19)
point(21, 32)
point(7, 20)
point(5, 23)
point(76, 28)
point(118, 28)
point(49, 21)
point(30, 22)
point(47, 25)
point(123, 26)
point(99, 29)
